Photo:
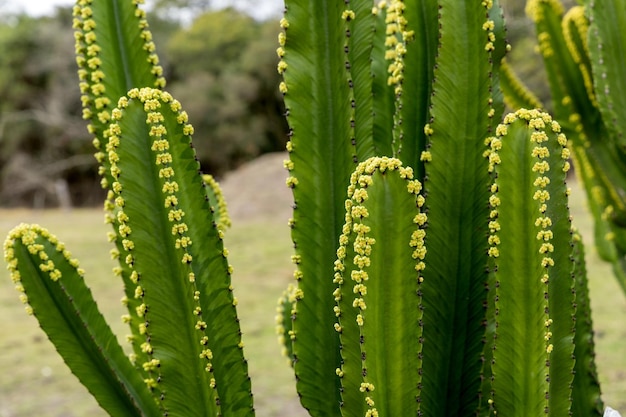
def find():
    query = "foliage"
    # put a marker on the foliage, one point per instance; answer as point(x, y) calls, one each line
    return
point(224, 67)
point(583, 51)
point(40, 127)
point(437, 268)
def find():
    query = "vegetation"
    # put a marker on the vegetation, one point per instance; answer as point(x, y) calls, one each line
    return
point(458, 282)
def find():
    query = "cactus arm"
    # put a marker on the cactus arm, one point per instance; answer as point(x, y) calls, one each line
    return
point(420, 57)
point(217, 202)
point(607, 49)
point(383, 107)
point(378, 296)
point(321, 161)
point(173, 247)
point(53, 286)
point(284, 312)
point(359, 46)
point(575, 31)
point(114, 53)
point(567, 83)
point(532, 360)
point(565, 52)
point(563, 49)
point(516, 94)
point(571, 53)
point(597, 203)
point(586, 399)
point(455, 278)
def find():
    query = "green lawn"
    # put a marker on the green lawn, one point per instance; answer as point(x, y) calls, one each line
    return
point(35, 382)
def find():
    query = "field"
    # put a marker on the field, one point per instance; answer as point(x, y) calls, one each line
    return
point(35, 382)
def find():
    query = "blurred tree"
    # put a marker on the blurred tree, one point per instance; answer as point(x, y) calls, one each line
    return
point(42, 136)
point(223, 70)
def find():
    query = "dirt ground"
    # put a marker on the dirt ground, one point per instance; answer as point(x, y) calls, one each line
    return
point(257, 189)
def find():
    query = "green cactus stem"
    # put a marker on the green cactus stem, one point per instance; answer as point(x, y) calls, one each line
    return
point(321, 161)
point(51, 285)
point(217, 202)
point(465, 110)
point(586, 399)
point(607, 49)
point(112, 38)
point(173, 247)
point(516, 94)
point(532, 370)
point(585, 85)
point(378, 296)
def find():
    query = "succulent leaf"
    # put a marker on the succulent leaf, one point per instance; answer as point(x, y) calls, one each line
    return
point(532, 370)
point(173, 246)
point(51, 283)
point(378, 295)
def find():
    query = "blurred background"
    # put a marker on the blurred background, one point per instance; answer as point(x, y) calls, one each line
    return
point(219, 61)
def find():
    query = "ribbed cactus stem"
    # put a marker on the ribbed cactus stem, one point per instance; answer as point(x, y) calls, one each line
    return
point(396, 42)
point(51, 285)
point(33, 237)
point(348, 16)
point(152, 101)
point(607, 46)
point(378, 274)
point(171, 242)
point(516, 94)
point(575, 32)
point(106, 74)
point(532, 370)
point(218, 202)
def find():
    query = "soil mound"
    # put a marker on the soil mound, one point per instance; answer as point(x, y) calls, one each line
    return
point(257, 189)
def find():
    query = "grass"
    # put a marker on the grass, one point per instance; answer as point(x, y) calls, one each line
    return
point(36, 382)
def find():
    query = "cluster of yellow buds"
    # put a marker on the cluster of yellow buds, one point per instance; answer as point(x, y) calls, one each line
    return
point(396, 41)
point(34, 237)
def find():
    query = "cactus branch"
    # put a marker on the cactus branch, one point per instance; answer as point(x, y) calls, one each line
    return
point(532, 361)
point(173, 247)
point(51, 283)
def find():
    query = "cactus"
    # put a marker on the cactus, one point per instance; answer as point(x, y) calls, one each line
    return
point(582, 50)
point(440, 131)
point(437, 271)
point(167, 226)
